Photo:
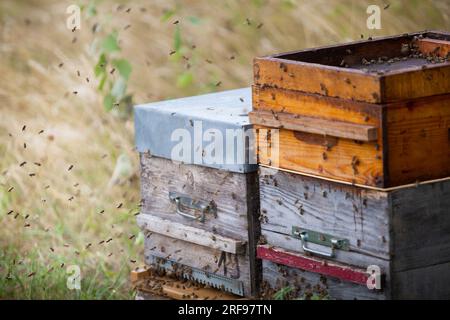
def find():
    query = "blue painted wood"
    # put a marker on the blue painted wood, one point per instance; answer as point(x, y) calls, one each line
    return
point(158, 126)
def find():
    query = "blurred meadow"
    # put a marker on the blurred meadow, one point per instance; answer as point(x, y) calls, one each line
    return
point(66, 117)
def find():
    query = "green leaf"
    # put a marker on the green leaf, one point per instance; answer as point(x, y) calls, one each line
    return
point(123, 66)
point(110, 43)
point(91, 9)
point(195, 20)
point(281, 294)
point(167, 15)
point(119, 88)
point(177, 39)
point(185, 79)
point(108, 102)
point(102, 82)
point(100, 67)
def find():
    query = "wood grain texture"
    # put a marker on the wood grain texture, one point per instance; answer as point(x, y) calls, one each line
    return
point(413, 138)
point(292, 200)
point(190, 234)
point(428, 283)
point(418, 139)
point(227, 190)
point(356, 214)
point(419, 83)
point(200, 257)
point(341, 159)
point(295, 122)
point(440, 48)
point(322, 71)
point(309, 283)
point(421, 226)
point(325, 80)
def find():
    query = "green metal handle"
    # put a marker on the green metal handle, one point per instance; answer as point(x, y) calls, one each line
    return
point(322, 239)
point(304, 239)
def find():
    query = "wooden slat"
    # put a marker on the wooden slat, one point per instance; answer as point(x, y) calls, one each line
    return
point(418, 139)
point(204, 258)
point(318, 71)
point(190, 234)
point(316, 265)
point(330, 157)
point(440, 48)
point(359, 215)
point(325, 127)
point(313, 78)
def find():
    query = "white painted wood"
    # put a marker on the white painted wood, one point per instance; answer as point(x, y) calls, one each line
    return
point(190, 234)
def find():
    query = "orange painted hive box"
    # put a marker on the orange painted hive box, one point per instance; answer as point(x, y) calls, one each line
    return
point(373, 113)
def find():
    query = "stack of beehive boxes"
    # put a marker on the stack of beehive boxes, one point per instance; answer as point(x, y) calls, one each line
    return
point(200, 190)
point(354, 147)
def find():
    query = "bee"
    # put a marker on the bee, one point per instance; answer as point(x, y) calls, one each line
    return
point(78, 73)
point(71, 198)
point(109, 240)
point(87, 79)
point(24, 145)
point(70, 167)
point(24, 127)
point(88, 245)
point(176, 22)
point(101, 242)
point(32, 174)
point(109, 255)
point(172, 52)
point(208, 61)
point(9, 212)
point(128, 10)
point(75, 92)
point(133, 261)
point(61, 65)
point(127, 27)
point(31, 274)
point(51, 249)
point(131, 237)
point(218, 83)
point(27, 225)
point(112, 71)
point(119, 205)
point(10, 189)
point(37, 164)
point(259, 26)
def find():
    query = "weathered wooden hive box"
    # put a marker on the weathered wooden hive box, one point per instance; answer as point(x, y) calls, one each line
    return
point(373, 113)
point(325, 238)
point(200, 189)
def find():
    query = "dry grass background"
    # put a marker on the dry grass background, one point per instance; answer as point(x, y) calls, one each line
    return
point(49, 228)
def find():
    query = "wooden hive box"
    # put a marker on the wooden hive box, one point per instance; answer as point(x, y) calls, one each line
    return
point(321, 236)
point(200, 196)
point(373, 113)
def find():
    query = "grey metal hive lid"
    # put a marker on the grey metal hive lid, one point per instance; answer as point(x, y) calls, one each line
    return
point(198, 130)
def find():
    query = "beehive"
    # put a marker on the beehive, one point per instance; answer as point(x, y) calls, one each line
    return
point(321, 237)
point(200, 206)
point(373, 113)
